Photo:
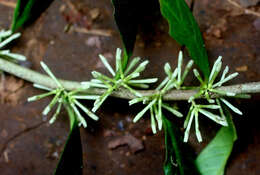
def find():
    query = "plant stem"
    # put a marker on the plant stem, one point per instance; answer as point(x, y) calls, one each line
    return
point(38, 78)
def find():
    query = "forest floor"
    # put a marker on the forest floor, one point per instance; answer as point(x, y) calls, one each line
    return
point(69, 36)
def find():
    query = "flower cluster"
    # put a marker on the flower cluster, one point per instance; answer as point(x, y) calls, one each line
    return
point(121, 78)
point(154, 102)
point(63, 97)
point(210, 87)
point(5, 38)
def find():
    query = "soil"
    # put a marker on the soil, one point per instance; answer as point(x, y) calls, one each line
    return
point(69, 36)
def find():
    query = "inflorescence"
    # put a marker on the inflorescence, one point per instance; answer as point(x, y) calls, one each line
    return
point(125, 79)
point(63, 97)
point(209, 87)
point(154, 103)
point(5, 38)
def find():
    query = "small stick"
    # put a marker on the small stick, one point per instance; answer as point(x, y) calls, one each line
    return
point(246, 11)
point(8, 4)
point(100, 32)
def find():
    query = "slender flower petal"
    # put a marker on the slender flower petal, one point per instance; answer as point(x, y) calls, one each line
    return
point(140, 114)
point(42, 87)
point(38, 97)
point(131, 65)
point(54, 117)
point(180, 58)
point(213, 117)
point(167, 69)
point(186, 70)
point(149, 80)
point(81, 119)
point(214, 68)
point(198, 134)
point(107, 65)
point(8, 40)
point(172, 110)
point(233, 108)
point(225, 79)
point(51, 104)
point(153, 125)
point(48, 71)
point(187, 131)
point(224, 73)
point(197, 75)
point(88, 112)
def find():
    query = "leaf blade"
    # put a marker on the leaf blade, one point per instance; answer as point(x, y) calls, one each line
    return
point(27, 11)
point(177, 151)
point(185, 30)
point(72, 150)
point(125, 13)
point(212, 160)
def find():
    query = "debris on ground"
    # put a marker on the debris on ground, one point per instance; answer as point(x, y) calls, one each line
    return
point(134, 144)
point(6, 157)
point(94, 13)
point(149, 131)
point(247, 3)
point(8, 3)
point(94, 41)
point(120, 125)
point(53, 148)
point(10, 89)
point(81, 20)
point(74, 16)
point(4, 133)
point(99, 63)
point(243, 68)
point(247, 8)
point(217, 29)
point(109, 133)
point(257, 24)
point(100, 32)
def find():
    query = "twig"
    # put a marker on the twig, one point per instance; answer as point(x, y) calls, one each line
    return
point(246, 11)
point(100, 32)
point(35, 77)
point(8, 4)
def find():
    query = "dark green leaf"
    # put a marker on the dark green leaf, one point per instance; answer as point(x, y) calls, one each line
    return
point(212, 160)
point(126, 13)
point(27, 11)
point(185, 30)
point(178, 159)
point(71, 159)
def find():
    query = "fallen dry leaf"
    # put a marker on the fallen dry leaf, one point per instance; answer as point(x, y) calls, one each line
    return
point(134, 144)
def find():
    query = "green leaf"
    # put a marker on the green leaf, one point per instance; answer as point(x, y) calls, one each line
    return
point(185, 30)
point(178, 159)
point(27, 11)
point(71, 158)
point(126, 14)
point(212, 160)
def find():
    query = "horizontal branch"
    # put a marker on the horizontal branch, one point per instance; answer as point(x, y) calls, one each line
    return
point(38, 78)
